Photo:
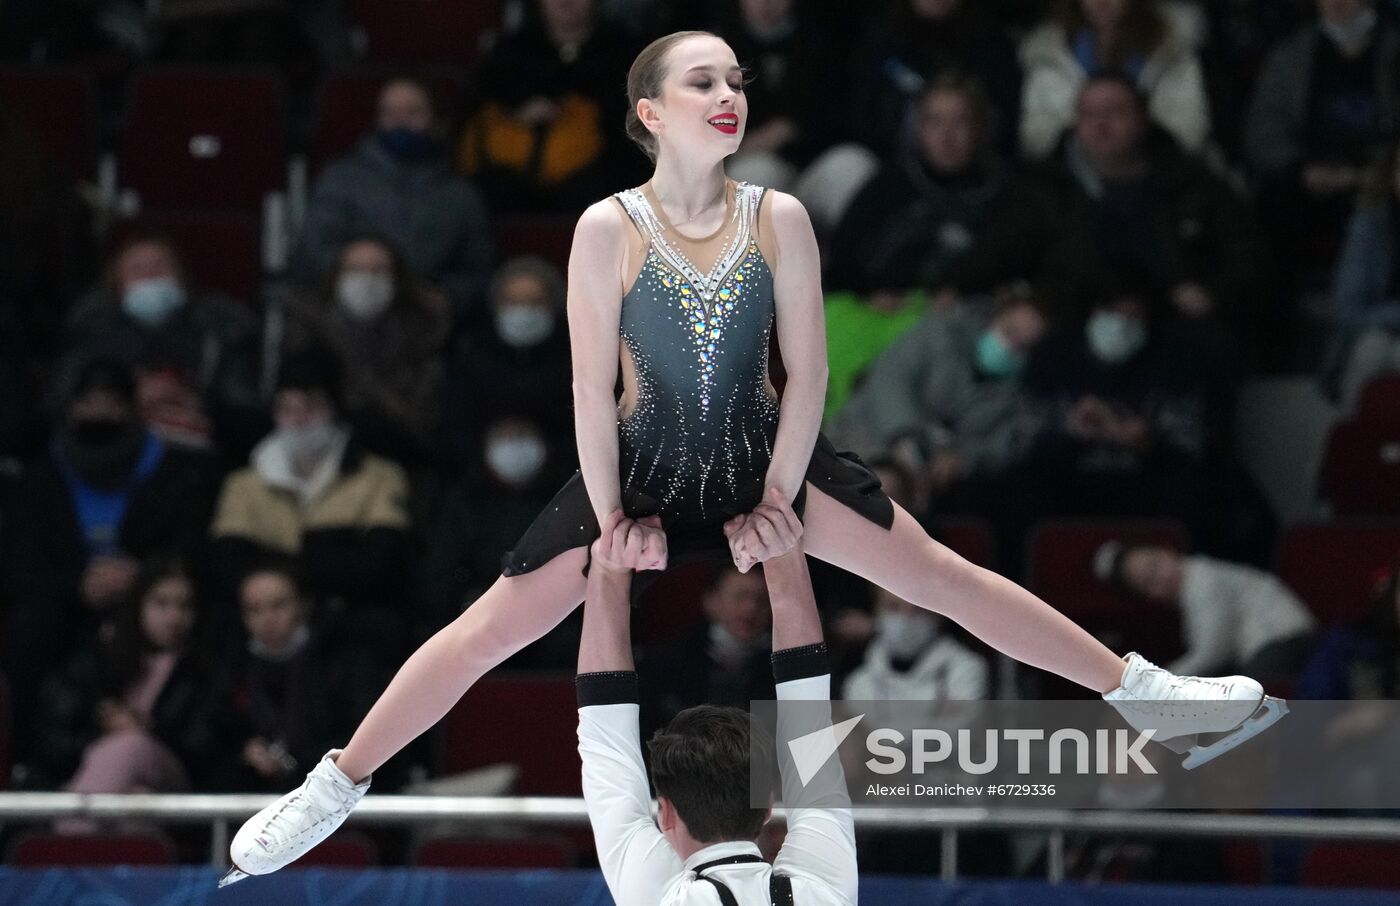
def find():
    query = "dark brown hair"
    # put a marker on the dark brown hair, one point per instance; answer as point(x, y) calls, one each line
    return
point(1143, 30)
point(700, 761)
point(644, 81)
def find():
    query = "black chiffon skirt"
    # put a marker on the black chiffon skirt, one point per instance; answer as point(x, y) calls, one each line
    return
point(567, 521)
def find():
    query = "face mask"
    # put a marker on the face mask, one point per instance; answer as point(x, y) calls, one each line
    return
point(300, 636)
point(364, 295)
point(406, 144)
point(729, 648)
point(516, 459)
point(307, 442)
point(904, 635)
point(995, 358)
point(524, 325)
point(1115, 337)
point(1350, 34)
point(152, 301)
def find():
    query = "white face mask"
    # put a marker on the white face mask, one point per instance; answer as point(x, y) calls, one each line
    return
point(308, 441)
point(365, 295)
point(1115, 337)
point(524, 325)
point(1353, 34)
point(905, 635)
point(516, 459)
point(153, 300)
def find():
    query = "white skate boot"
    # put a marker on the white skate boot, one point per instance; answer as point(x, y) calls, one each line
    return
point(1182, 709)
point(284, 831)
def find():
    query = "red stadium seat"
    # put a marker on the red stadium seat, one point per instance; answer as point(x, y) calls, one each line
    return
point(1353, 865)
point(206, 140)
point(220, 248)
point(343, 849)
point(526, 720)
point(345, 110)
point(549, 237)
point(57, 108)
point(92, 849)
point(969, 537)
point(1335, 567)
point(673, 603)
point(1062, 572)
point(1380, 401)
point(489, 852)
point(1360, 473)
point(419, 32)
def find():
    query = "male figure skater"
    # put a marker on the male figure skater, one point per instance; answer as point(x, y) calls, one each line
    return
point(700, 850)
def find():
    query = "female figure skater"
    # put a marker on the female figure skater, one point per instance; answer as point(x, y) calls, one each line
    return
point(691, 271)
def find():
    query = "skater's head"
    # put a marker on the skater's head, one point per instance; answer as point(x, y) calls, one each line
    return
point(700, 766)
point(740, 615)
point(1146, 571)
point(275, 613)
point(685, 94)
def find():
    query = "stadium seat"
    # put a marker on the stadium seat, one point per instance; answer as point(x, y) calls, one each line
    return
point(522, 719)
point(345, 110)
point(196, 139)
point(1360, 474)
point(92, 849)
point(220, 248)
point(1062, 572)
point(1353, 865)
point(495, 852)
point(1380, 400)
point(57, 107)
point(343, 849)
point(426, 32)
point(1335, 567)
point(969, 537)
point(673, 603)
point(549, 237)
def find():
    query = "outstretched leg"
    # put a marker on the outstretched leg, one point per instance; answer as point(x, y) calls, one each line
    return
point(906, 561)
point(513, 612)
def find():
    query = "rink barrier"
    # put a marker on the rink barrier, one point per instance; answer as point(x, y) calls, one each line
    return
point(220, 812)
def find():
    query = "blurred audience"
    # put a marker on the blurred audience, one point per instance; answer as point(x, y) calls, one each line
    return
point(1360, 661)
point(949, 215)
point(196, 354)
point(312, 492)
point(397, 183)
point(912, 657)
point(290, 691)
point(548, 136)
point(1128, 202)
point(134, 712)
point(109, 495)
point(1152, 47)
point(389, 331)
point(518, 365)
point(723, 661)
point(941, 401)
point(1323, 102)
point(1235, 619)
point(1366, 290)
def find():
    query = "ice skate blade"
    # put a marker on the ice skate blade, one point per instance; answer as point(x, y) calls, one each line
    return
point(233, 876)
point(1268, 713)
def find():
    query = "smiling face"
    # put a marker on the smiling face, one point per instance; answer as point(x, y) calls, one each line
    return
point(701, 109)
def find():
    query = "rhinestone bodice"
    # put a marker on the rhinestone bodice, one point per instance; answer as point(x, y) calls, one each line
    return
point(700, 437)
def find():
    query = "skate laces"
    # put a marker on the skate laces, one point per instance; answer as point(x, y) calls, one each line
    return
point(284, 823)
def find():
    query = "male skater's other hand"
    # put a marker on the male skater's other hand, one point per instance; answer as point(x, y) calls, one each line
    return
point(630, 544)
point(771, 530)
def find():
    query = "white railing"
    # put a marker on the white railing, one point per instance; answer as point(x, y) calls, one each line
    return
point(221, 811)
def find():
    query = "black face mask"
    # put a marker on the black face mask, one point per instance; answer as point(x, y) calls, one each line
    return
point(103, 451)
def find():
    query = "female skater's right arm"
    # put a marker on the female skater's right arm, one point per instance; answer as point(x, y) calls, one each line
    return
point(595, 312)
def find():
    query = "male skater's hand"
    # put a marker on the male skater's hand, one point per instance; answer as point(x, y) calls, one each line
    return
point(771, 530)
point(630, 544)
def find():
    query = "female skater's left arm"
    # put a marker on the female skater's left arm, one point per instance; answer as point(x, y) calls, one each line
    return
point(797, 291)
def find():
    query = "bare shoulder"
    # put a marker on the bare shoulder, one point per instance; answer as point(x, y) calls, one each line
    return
point(788, 213)
point(793, 237)
point(601, 222)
